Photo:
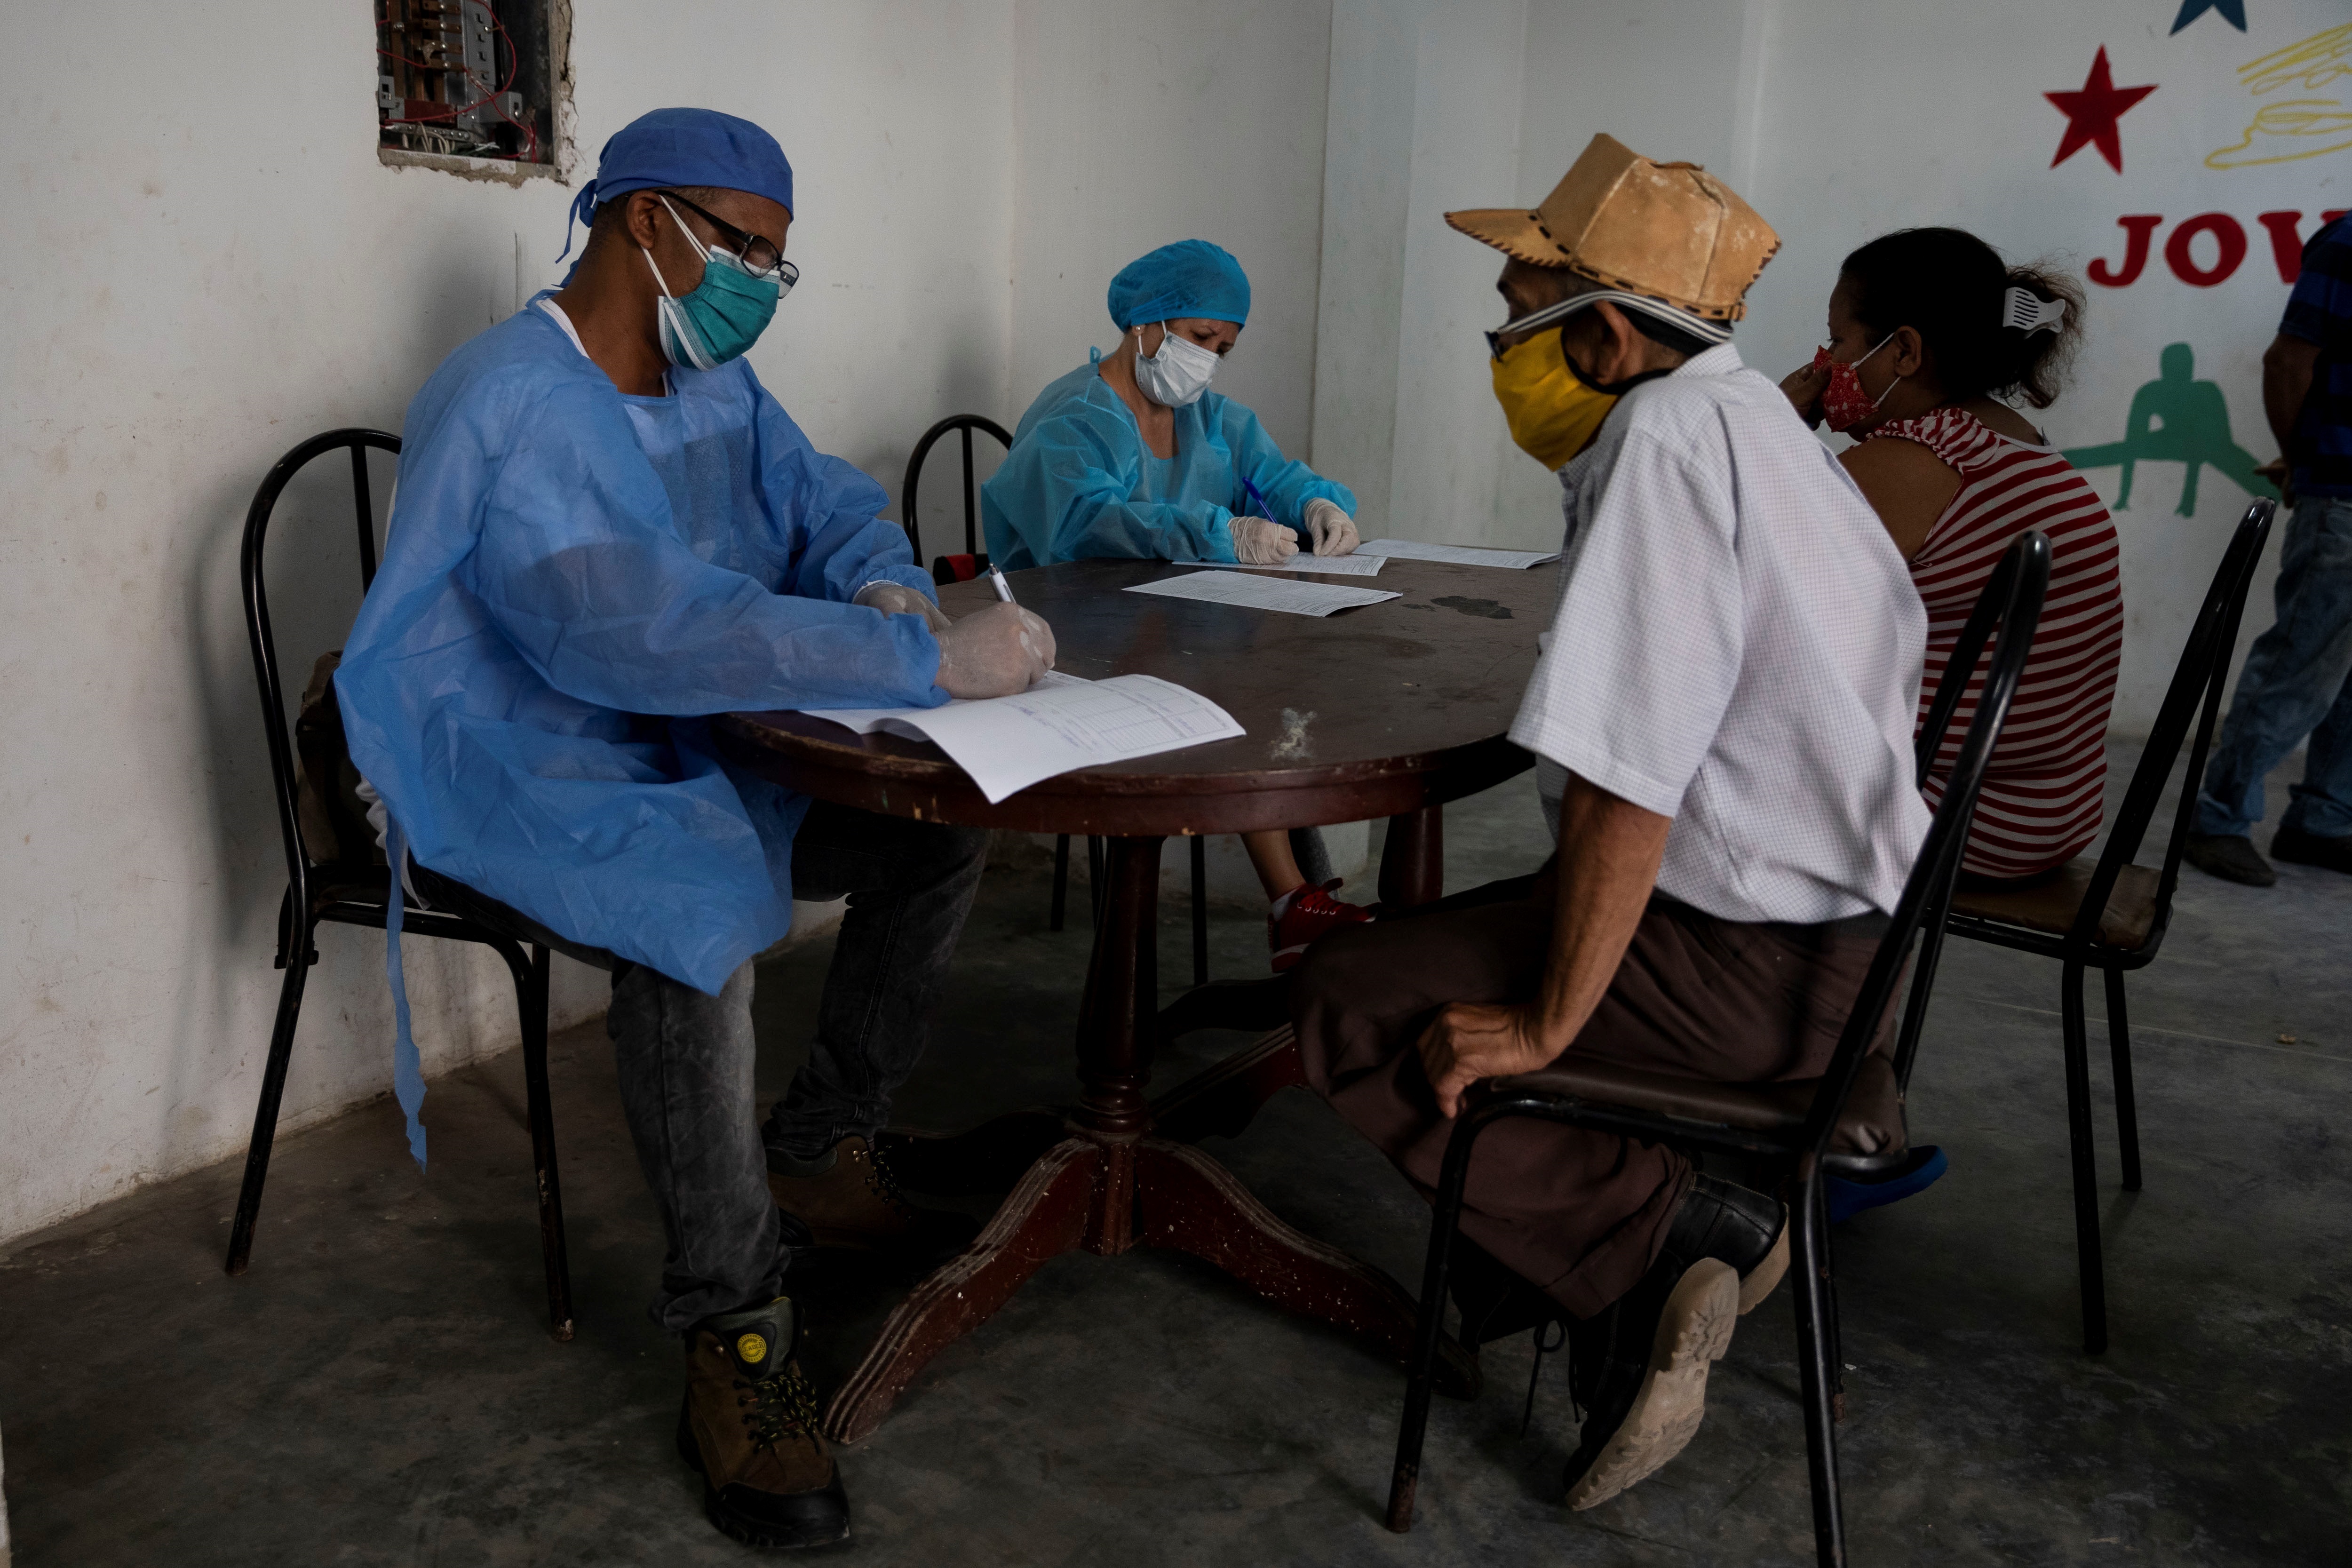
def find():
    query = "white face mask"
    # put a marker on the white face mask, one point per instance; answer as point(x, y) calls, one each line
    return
point(1178, 374)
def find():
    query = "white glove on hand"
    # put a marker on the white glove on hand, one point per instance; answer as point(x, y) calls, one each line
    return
point(994, 652)
point(1262, 541)
point(1333, 530)
point(897, 599)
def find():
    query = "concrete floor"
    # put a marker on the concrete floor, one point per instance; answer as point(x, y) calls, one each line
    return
point(380, 1388)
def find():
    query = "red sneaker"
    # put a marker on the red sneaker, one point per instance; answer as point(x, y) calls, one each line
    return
point(1295, 919)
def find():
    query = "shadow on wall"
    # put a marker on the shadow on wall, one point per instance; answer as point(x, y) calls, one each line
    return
point(2176, 418)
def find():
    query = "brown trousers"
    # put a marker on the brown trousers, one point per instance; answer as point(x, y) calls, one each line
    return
point(1581, 1213)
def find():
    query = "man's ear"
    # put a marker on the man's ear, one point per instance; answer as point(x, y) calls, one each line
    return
point(1620, 346)
point(642, 217)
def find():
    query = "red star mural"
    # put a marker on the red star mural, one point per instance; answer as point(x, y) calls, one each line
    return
point(2091, 112)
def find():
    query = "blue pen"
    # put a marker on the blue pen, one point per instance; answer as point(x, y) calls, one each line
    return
point(1258, 496)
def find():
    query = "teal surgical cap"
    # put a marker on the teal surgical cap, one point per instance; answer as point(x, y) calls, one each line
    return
point(1190, 278)
point(674, 147)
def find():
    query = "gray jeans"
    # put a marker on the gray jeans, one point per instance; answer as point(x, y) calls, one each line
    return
point(686, 1058)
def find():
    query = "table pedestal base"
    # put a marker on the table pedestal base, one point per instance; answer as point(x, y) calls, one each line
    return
point(1106, 1183)
point(1108, 1197)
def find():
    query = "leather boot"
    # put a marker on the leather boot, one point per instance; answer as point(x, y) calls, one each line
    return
point(1639, 1367)
point(749, 1426)
point(854, 1204)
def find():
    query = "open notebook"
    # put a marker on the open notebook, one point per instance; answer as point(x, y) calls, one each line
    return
point(1059, 725)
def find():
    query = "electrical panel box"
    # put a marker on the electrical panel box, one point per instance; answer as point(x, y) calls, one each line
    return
point(466, 78)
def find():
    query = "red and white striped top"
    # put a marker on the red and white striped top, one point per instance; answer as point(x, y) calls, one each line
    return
point(2045, 792)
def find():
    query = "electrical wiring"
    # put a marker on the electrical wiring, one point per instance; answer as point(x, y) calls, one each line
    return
point(495, 98)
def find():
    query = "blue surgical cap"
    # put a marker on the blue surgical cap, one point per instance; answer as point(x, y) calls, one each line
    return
point(674, 147)
point(1190, 278)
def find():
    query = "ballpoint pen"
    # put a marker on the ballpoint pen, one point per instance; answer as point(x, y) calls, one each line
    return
point(996, 580)
point(1258, 496)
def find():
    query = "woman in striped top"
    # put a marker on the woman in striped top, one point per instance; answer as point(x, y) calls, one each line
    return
point(1930, 335)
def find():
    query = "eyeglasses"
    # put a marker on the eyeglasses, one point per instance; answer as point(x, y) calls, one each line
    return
point(1510, 334)
point(761, 256)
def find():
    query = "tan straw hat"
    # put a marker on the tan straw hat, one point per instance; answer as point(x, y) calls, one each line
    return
point(1671, 231)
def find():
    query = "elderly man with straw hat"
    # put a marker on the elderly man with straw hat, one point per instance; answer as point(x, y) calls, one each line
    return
point(1722, 717)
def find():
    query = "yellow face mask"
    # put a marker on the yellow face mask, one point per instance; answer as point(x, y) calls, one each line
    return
point(1554, 412)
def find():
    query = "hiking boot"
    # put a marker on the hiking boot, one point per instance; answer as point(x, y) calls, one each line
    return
point(749, 1426)
point(2297, 848)
point(2230, 856)
point(1495, 1302)
point(1294, 920)
point(1717, 1218)
point(1638, 1369)
point(848, 1199)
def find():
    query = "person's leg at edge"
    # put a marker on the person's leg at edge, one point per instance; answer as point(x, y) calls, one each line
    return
point(749, 1422)
point(910, 886)
point(1300, 905)
point(2317, 827)
point(1652, 1259)
point(2292, 675)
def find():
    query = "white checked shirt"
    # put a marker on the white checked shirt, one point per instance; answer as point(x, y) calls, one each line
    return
point(1738, 646)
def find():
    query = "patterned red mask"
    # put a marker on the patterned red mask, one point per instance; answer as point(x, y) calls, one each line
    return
point(1843, 403)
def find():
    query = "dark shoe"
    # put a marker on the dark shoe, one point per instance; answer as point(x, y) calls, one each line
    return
point(2230, 856)
point(1493, 1300)
point(749, 1426)
point(1745, 1229)
point(853, 1203)
point(2297, 848)
point(1638, 1369)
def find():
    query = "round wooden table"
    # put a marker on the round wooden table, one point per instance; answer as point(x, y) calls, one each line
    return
point(1389, 710)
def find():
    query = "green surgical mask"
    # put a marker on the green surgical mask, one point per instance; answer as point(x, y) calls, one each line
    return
point(721, 318)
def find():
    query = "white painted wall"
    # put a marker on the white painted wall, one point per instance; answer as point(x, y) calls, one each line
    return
point(188, 296)
point(1839, 120)
point(189, 290)
point(188, 299)
point(1145, 122)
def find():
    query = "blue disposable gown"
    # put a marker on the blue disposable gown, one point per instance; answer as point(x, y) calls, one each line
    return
point(1080, 483)
point(572, 578)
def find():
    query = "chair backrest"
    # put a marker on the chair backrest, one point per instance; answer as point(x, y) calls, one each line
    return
point(963, 424)
point(2012, 601)
point(256, 614)
point(2197, 682)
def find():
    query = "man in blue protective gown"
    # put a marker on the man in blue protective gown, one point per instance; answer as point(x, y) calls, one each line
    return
point(1131, 455)
point(606, 530)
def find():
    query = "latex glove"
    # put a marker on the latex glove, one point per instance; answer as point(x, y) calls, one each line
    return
point(994, 652)
point(1333, 530)
point(897, 599)
point(1262, 541)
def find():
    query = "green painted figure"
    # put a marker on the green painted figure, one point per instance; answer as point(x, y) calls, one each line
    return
point(2177, 418)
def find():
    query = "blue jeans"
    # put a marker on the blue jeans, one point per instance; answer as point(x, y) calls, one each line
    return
point(2297, 682)
point(685, 1059)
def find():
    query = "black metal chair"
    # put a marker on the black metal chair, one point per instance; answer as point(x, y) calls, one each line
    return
point(2109, 913)
point(1849, 1122)
point(354, 892)
point(946, 569)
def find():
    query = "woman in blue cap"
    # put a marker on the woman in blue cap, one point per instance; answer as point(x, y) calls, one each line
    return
point(1131, 455)
point(606, 530)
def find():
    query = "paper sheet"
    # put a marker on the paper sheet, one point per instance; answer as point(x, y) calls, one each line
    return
point(1329, 566)
point(1455, 554)
point(1059, 725)
point(1288, 596)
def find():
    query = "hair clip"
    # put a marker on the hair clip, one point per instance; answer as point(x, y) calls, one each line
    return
point(2029, 312)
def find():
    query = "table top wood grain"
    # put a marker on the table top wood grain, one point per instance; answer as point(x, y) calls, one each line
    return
point(1375, 710)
